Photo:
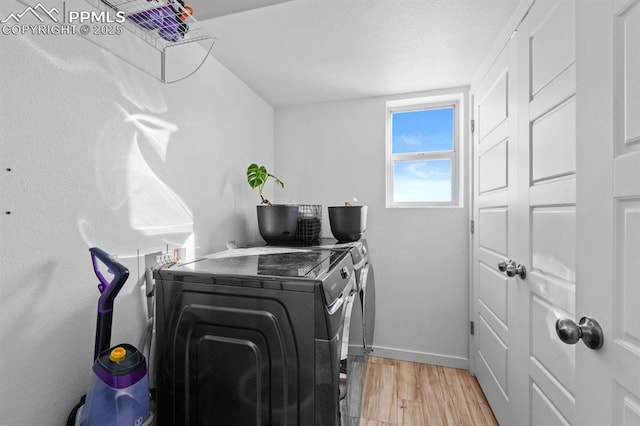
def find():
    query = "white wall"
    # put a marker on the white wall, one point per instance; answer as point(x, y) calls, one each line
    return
point(332, 152)
point(103, 155)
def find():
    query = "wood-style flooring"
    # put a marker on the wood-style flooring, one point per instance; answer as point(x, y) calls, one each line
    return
point(404, 393)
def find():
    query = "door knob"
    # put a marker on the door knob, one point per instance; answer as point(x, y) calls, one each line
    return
point(587, 329)
point(512, 270)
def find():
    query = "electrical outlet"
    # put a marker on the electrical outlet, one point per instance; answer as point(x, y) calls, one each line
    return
point(179, 254)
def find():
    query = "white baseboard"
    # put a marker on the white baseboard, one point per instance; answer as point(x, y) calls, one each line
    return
point(415, 356)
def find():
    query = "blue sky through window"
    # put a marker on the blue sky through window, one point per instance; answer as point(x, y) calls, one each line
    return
point(422, 131)
point(422, 180)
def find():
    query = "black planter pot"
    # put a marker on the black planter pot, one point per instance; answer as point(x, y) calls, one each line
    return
point(348, 223)
point(277, 223)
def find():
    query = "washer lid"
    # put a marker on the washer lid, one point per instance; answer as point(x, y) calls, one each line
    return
point(266, 261)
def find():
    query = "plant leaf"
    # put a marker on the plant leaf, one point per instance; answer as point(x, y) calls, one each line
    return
point(256, 175)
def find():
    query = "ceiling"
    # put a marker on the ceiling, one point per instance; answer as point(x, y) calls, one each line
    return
point(307, 51)
point(207, 9)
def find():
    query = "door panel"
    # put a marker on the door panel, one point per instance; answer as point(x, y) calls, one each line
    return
point(623, 359)
point(493, 168)
point(545, 411)
point(548, 386)
point(626, 174)
point(553, 239)
point(492, 191)
point(493, 223)
point(554, 143)
point(492, 109)
point(627, 409)
point(628, 254)
point(552, 41)
point(492, 291)
point(550, 130)
point(556, 360)
point(609, 209)
point(493, 351)
point(631, 40)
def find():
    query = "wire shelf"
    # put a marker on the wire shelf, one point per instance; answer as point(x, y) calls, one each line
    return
point(165, 25)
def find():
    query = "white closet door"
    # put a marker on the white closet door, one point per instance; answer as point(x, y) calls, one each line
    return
point(608, 380)
point(494, 197)
point(560, 194)
point(547, 108)
point(529, 217)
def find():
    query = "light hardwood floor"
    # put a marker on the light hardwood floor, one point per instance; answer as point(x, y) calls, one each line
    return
point(410, 394)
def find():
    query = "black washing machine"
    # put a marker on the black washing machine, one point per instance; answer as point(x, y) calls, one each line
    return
point(359, 325)
point(362, 324)
point(253, 337)
point(359, 328)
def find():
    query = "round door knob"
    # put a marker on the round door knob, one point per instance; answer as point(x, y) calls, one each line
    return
point(512, 270)
point(568, 331)
point(502, 266)
point(587, 329)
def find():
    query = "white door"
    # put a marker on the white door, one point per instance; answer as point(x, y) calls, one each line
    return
point(608, 239)
point(527, 373)
point(547, 129)
point(494, 301)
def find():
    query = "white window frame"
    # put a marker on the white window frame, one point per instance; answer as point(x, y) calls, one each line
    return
point(454, 101)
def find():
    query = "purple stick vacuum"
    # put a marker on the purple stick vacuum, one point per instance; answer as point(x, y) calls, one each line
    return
point(108, 292)
point(119, 390)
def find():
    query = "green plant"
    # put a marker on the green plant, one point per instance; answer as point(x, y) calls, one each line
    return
point(257, 176)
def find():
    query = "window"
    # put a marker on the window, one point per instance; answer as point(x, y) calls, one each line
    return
point(423, 151)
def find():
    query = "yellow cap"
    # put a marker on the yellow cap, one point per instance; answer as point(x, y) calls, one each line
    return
point(117, 354)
